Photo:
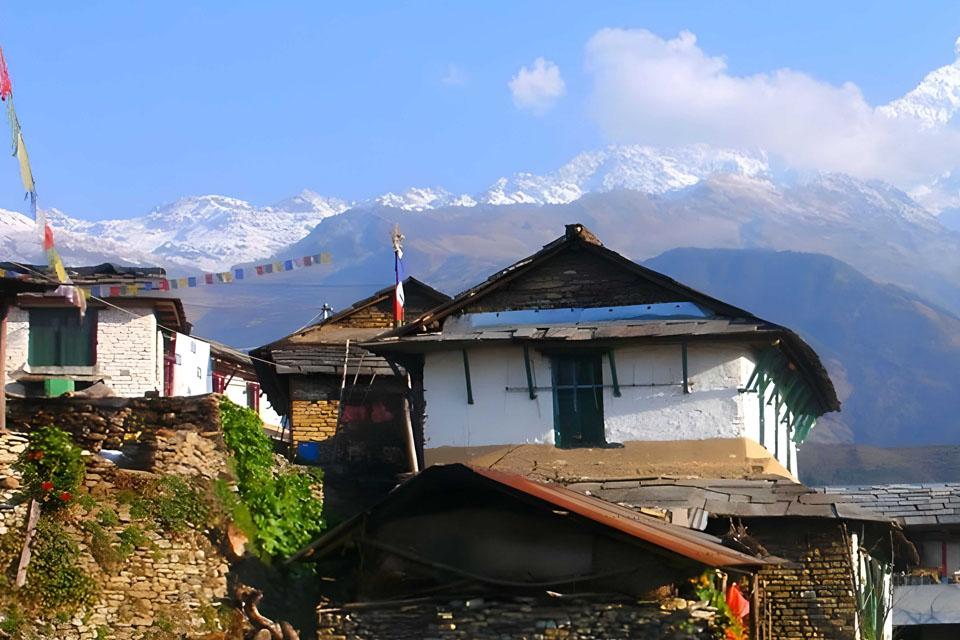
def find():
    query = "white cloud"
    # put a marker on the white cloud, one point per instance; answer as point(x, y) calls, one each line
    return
point(454, 77)
point(538, 88)
point(653, 90)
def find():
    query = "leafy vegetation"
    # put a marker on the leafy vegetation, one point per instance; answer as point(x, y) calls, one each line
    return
point(52, 467)
point(57, 581)
point(727, 626)
point(280, 504)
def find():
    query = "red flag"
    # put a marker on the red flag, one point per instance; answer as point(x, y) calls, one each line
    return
point(47, 237)
point(739, 606)
point(6, 88)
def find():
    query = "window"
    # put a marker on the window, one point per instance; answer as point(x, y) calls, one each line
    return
point(61, 338)
point(578, 401)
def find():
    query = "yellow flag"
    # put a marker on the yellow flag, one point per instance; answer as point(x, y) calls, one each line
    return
point(325, 258)
point(26, 174)
point(182, 283)
point(57, 264)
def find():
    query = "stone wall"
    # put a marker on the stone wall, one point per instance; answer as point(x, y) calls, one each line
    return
point(813, 597)
point(531, 618)
point(314, 420)
point(129, 348)
point(172, 582)
point(106, 423)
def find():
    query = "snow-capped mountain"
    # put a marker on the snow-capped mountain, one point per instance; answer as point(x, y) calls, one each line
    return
point(635, 167)
point(935, 100)
point(214, 232)
point(209, 232)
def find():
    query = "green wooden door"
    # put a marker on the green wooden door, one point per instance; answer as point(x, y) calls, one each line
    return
point(578, 401)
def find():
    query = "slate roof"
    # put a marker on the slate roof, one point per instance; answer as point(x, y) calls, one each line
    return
point(908, 504)
point(652, 329)
point(726, 320)
point(692, 500)
point(106, 273)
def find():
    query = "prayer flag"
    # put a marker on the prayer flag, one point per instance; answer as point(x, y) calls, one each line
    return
point(114, 292)
point(6, 87)
point(307, 261)
point(238, 274)
point(288, 265)
point(259, 269)
point(208, 278)
point(192, 281)
point(26, 174)
point(325, 258)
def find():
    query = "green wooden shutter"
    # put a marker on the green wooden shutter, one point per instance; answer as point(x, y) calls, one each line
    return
point(59, 337)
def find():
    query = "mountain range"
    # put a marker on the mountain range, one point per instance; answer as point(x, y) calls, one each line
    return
point(867, 272)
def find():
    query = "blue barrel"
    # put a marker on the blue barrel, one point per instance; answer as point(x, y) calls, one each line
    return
point(308, 452)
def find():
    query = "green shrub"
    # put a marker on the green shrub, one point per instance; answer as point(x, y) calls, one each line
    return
point(281, 505)
point(101, 546)
point(108, 517)
point(177, 505)
point(131, 539)
point(52, 467)
point(55, 578)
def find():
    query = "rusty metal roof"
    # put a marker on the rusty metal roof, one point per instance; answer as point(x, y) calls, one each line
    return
point(693, 545)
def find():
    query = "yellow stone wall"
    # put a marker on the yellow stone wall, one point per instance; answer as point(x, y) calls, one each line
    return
point(314, 420)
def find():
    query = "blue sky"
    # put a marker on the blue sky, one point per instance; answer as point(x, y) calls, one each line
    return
point(127, 105)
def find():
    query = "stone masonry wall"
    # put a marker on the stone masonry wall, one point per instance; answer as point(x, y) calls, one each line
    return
point(520, 618)
point(173, 581)
point(813, 597)
point(314, 421)
point(105, 423)
point(128, 356)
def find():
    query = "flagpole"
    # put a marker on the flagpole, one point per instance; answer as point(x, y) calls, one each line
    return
point(398, 301)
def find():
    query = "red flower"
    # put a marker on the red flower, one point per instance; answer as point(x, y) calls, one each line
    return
point(65, 496)
point(35, 455)
point(46, 486)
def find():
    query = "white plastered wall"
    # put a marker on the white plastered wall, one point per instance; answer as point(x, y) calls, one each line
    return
point(129, 350)
point(652, 405)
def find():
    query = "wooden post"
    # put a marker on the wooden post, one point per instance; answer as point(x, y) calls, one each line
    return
point(3, 366)
point(32, 518)
point(411, 443)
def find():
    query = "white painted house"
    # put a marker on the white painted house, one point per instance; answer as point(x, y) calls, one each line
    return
point(119, 342)
point(578, 347)
point(134, 344)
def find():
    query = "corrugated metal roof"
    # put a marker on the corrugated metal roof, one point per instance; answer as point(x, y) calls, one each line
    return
point(694, 545)
point(682, 541)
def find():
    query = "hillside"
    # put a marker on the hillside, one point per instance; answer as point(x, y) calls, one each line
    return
point(850, 464)
point(892, 356)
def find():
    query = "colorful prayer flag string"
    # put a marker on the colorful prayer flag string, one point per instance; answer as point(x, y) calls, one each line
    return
point(210, 279)
point(45, 231)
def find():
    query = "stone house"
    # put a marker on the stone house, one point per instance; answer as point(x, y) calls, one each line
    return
point(822, 538)
point(339, 400)
point(926, 591)
point(485, 537)
point(119, 342)
point(577, 347)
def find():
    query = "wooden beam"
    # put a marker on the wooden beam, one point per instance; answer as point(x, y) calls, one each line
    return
point(466, 373)
point(613, 374)
point(761, 392)
point(683, 362)
point(526, 364)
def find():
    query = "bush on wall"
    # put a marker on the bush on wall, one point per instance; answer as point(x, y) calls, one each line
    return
point(52, 467)
point(281, 504)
